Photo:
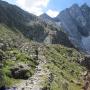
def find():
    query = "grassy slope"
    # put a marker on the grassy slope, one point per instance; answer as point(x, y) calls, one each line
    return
point(62, 61)
point(66, 73)
point(10, 55)
point(9, 64)
point(11, 36)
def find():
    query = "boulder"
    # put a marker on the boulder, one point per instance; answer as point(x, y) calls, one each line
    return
point(1, 65)
point(86, 62)
point(20, 71)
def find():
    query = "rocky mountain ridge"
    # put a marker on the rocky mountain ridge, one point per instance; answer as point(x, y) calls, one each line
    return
point(31, 26)
point(76, 25)
point(75, 21)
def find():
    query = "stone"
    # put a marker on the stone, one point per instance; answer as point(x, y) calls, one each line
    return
point(20, 73)
point(1, 65)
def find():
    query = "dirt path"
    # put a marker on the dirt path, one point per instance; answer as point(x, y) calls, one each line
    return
point(41, 75)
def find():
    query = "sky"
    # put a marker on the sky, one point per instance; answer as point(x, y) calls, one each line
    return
point(51, 7)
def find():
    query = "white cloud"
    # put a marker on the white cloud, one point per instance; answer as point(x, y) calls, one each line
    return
point(33, 6)
point(52, 13)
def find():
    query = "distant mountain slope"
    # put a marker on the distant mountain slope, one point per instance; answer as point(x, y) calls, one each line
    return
point(76, 22)
point(46, 17)
point(31, 26)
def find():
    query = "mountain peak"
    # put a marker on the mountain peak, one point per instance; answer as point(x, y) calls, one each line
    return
point(3, 2)
point(44, 15)
point(75, 6)
point(84, 6)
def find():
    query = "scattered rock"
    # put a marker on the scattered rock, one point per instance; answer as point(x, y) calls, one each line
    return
point(1, 65)
point(21, 71)
point(86, 62)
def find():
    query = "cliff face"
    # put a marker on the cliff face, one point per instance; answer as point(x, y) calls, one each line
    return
point(76, 22)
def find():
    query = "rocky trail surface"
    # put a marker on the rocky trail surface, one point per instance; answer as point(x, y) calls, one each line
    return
point(40, 77)
point(86, 63)
point(87, 81)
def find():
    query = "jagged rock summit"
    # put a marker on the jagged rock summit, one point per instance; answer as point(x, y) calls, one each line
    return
point(76, 22)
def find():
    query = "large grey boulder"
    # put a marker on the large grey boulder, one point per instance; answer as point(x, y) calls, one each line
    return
point(21, 71)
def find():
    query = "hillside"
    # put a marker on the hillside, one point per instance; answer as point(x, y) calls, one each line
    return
point(64, 64)
point(30, 25)
point(36, 55)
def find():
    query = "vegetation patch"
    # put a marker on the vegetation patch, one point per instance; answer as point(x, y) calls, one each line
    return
point(15, 65)
point(66, 72)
